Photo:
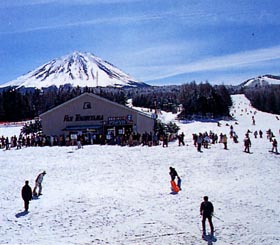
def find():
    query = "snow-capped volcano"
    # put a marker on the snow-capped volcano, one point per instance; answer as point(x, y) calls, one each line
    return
point(77, 69)
point(261, 81)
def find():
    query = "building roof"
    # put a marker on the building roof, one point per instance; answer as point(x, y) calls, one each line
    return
point(96, 97)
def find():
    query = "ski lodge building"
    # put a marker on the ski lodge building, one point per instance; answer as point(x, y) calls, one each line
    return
point(94, 117)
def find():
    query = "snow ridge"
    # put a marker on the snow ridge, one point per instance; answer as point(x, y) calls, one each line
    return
point(262, 81)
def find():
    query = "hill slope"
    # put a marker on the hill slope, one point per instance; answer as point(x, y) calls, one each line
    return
point(121, 195)
point(261, 81)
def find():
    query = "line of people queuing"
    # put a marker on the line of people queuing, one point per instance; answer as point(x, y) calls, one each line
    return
point(132, 139)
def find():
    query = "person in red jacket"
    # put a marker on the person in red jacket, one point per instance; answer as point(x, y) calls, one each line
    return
point(26, 194)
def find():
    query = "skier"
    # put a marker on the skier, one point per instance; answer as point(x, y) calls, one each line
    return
point(247, 144)
point(38, 183)
point(199, 142)
point(235, 137)
point(79, 141)
point(274, 146)
point(26, 194)
point(206, 211)
point(7, 143)
point(181, 139)
point(165, 140)
point(195, 139)
point(224, 141)
point(231, 131)
point(260, 133)
point(253, 120)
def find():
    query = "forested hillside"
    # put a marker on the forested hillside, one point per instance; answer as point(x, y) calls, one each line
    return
point(194, 100)
point(265, 99)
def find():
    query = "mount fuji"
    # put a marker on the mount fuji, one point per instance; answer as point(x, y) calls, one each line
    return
point(77, 69)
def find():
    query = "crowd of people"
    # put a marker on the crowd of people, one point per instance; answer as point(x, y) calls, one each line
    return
point(37, 139)
point(206, 139)
point(200, 140)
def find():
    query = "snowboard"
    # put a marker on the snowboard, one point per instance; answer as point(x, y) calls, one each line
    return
point(35, 195)
point(174, 187)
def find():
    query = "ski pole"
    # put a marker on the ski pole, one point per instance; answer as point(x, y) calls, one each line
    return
point(218, 218)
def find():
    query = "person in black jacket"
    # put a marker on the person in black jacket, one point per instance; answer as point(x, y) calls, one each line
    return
point(26, 193)
point(206, 210)
point(173, 173)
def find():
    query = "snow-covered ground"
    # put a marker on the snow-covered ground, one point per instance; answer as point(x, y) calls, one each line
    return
point(121, 195)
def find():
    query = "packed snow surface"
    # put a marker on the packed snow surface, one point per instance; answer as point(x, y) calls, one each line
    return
point(121, 195)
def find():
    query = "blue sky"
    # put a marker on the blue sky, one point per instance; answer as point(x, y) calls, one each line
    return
point(155, 41)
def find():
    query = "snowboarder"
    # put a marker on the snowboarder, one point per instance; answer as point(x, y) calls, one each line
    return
point(274, 146)
point(38, 183)
point(26, 194)
point(206, 211)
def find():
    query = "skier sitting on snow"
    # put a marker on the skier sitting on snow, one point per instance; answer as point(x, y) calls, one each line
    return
point(38, 183)
point(206, 210)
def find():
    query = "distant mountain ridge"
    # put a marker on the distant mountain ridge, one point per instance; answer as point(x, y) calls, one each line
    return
point(261, 81)
point(77, 69)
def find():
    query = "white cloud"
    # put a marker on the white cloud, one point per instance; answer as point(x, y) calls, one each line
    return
point(238, 60)
point(20, 3)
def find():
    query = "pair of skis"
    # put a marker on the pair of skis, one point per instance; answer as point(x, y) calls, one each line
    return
point(209, 238)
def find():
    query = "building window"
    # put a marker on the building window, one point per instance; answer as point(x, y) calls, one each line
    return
point(87, 105)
